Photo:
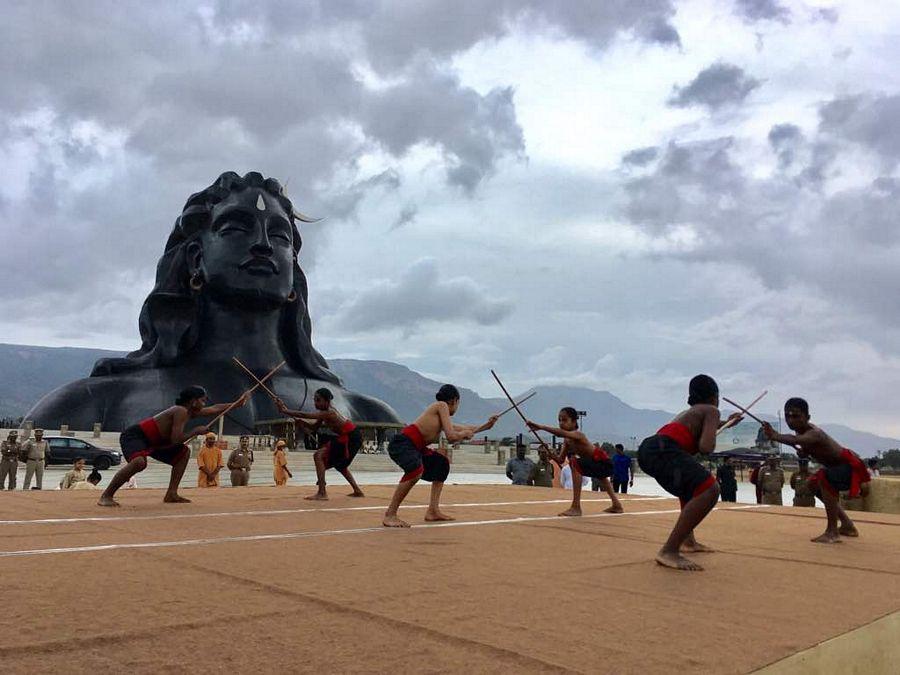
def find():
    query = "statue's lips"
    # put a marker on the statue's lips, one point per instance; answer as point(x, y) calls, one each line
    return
point(261, 266)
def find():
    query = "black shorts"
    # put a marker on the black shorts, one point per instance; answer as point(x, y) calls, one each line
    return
point(594, 468)
point(429, 465)
point(337, 455)
point(134, 443)
point(677, 472)
point(838, 476)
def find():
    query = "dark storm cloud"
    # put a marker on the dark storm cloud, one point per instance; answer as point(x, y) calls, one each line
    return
point(762, 10)
point(718, 85)
point(421, 294)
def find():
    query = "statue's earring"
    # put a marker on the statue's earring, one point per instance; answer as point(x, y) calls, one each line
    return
point(196, 282)
point(292, 296)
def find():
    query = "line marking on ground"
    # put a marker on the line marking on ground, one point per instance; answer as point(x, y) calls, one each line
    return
point(278, 512)
point(326, 533)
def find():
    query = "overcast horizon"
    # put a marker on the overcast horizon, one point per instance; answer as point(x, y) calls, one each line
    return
point(616, 195)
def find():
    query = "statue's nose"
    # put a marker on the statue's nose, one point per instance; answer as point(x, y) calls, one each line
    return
point(262, 245)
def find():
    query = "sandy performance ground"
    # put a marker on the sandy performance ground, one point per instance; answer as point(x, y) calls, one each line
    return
point(258, 580)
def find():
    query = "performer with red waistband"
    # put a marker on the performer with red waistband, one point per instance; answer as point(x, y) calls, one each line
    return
point(842, 468)
point(335, 453)
point(163, 438)
point(409, 449)
point(668, 456)
point(584, 458)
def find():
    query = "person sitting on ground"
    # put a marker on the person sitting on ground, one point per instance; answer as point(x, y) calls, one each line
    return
point(92, 482)
point(585, 459)
point(519, 468)
point(842, 468)
point(73, 476)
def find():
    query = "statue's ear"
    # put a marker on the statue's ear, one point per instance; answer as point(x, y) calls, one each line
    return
point(194, 255)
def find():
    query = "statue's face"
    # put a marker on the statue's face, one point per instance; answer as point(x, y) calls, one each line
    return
point(248, 251)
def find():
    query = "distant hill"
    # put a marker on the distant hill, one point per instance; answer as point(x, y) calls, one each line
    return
point(28, 372)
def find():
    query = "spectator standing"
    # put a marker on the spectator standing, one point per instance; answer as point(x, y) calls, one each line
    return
point(542, 473)
point(771, 481)
point(872, 465)
point(240, 462)
point(727, 481)
point(623, 470)
point(35, 450)
point(565, 478)
point(519, 468)
point(803, 492)
point(209, 462)
point(9, 459)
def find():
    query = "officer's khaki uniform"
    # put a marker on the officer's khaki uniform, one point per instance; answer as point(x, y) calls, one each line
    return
point(35, 451)
point(9, 462)
point(239, 463)
point(771, 481)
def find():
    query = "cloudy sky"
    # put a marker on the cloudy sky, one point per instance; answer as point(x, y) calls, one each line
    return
point(617, 195)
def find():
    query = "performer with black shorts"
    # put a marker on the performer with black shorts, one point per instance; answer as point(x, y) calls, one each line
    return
point(337, 452)
point(668, 456)
point(409, 449)
point(584, 457)
point(164, 438)
point(842, 469)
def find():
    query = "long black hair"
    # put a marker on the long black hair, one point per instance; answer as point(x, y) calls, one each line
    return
point(170, 317)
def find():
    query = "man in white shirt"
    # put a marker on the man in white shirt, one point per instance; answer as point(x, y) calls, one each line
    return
point(565, 478)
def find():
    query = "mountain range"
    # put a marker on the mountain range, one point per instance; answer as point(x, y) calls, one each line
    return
point(28, 372)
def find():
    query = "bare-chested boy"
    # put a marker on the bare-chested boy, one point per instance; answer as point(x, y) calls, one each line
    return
point(843, 469)
point(163, 438)
point(584, 458)
point(336, 453)
point(409, 449)
point(668, 456)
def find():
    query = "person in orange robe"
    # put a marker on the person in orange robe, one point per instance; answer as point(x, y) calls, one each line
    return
point(210, 462)
point(279, 460)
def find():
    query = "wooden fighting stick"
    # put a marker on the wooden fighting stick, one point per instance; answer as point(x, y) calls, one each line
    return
point(515, 406)
point(743, 410)
point(250, 373)
point(534, 393)
point(258, 384)
point(752, 403)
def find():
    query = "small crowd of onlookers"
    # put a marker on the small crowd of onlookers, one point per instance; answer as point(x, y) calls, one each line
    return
point(546, 473)
point(34, 453)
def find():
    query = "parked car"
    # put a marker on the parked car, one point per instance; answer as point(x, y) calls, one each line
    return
point(64, 450)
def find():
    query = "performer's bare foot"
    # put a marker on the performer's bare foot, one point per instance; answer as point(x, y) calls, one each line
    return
point(613, 509)
point(677, 562)
point(848, 531)
point(436, 516)
point(176, 499)
point(571, 512)
point(318, 497)
point(827, 538)
point(393, 521)
point(107, 501)
point(358, 493)
point(696, 547)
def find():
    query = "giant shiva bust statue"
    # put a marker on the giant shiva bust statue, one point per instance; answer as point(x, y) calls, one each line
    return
point(228, 284)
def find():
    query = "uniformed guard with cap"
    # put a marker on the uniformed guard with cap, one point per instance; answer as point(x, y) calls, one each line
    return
point(240, 462)
point(9, 459)
point(36, 450)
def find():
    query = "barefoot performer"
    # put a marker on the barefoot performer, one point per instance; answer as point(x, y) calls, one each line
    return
point(409, 449)
point(163, 437)
point(842, 468)
point(336, 453)
point(668, 457)
point(584, 458)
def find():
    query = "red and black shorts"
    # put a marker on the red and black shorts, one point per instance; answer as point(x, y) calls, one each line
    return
point(677, 472)
point(598, 466)
point(135, 443)
point(338, 454)
point(426, 464)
